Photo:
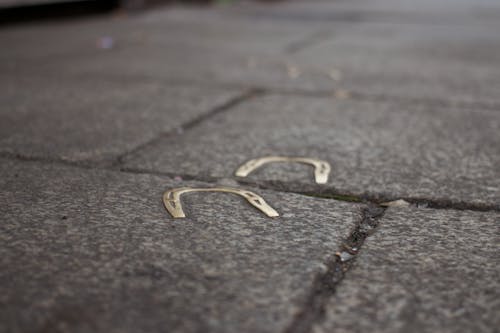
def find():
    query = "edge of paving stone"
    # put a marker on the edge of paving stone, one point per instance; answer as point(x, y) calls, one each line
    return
point(326, 283)
point(375, 198)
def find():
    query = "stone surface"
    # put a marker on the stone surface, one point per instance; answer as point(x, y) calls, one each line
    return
point(380, 149)
point(89, 250)
point(51, 41)
point(123, 43)
point(416, 61)
point(234, 62)
point(92, 120)
point(235, 46)
point(426, 12)
point(422, 271)
point(218, 29)
point(409, 110)
point(199, 64)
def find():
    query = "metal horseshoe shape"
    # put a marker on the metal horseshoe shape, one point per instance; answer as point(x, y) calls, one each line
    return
point(172, 199)
point(321, 168)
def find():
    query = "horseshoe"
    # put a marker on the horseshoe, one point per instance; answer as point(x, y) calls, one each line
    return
point(172, 199)
point(321, 168)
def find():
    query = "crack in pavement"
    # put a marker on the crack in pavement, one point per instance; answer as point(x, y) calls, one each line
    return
point(245, 96)
point(277, 186)
point(356, 95)
point(376, 199)
point(326, 283)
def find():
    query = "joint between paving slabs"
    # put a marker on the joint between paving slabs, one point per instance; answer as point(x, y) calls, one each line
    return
point(318, 191)
point(48, 160)
point(267, 185)
point(343, 94)
point(245, 96)
point(326, 283)
point(337, 93)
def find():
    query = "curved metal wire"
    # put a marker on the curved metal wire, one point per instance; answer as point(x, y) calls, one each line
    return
point(321, 168)
point(172, 199)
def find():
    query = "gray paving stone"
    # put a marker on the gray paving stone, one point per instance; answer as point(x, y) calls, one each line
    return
point(34, 44)
point(416, 61)
point(187, 45)
point(455, 64)
point(422, 271)
point(200, 64)
point(178, 44)
point(383, 150)
point(91, 120)
point(449, 12)
point(217, 28)
point(224, 54)
point(88, 250)
point(57, 45)
point(241, 45)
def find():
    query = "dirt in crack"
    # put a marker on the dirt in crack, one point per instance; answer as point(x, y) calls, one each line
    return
point(325, 284)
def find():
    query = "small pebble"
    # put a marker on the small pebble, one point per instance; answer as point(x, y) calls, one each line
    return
point(345, 256)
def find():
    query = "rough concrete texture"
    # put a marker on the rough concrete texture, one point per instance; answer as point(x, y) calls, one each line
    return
point(234, 46)
point(426, 12)
point(88, 250)
point(400, 96)
point(74, 120)
point(384, 150)
point(208, 46)
point(456, 64)
point(423, 271)
point(84, 45)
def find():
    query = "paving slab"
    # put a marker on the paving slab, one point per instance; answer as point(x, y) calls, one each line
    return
point(217, 27)
point(234, 45)
point(91, 120)
point(87, 250)
point(383, 150)
point(414, 61)
point(423, 270)
point(34, 47)
point(443, 12)
point(173, 45)
point(33, 44)
point(453, 64)
point(177, 45)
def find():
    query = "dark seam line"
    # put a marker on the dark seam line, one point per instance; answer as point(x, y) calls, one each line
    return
point(189, 125)
point(357, 96)
point(354, 95)
point(331, 194)
point(378, 199)
point(325, 284)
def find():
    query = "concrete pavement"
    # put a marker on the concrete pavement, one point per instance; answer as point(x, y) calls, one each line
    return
point(100, 116)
